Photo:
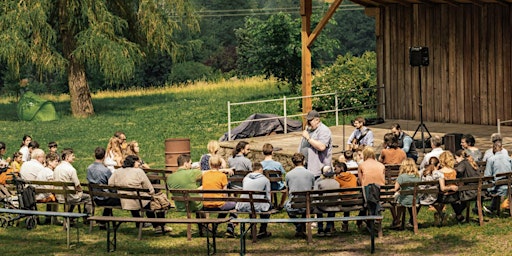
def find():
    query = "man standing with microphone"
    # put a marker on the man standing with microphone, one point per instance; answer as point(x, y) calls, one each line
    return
point(316, 144)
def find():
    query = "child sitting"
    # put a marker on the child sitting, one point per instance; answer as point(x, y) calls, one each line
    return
point(346, 180)
point(327, 182)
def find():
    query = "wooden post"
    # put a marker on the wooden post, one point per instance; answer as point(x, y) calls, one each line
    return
point(305, 13)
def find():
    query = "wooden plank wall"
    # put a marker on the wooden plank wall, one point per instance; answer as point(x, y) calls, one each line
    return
point(469, 79)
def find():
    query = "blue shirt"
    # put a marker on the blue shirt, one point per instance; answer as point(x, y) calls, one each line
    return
point(98, 173)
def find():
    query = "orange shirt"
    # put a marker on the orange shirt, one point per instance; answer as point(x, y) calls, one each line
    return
point(214, 179)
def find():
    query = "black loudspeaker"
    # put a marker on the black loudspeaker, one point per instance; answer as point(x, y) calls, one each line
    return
point(418, 56)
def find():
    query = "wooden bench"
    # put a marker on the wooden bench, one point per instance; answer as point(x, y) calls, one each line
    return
point(189, 197)
point(158, 178)
point(503, 179)
point(117, 221)
point(348, 199)
point(478, 184)
point(66, 215)
point(276, 176)
point(59, 189)
point(392, 172)
point(138, 194)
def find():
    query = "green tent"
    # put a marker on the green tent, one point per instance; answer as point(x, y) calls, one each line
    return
point(34, 108)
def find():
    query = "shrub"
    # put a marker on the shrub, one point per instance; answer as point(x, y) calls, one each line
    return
point(354, 78)
point(188, 72)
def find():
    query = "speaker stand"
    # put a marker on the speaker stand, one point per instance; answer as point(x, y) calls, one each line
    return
point(421, 127)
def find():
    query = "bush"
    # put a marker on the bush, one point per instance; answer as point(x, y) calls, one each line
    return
point(354, 78)
point(188, 72)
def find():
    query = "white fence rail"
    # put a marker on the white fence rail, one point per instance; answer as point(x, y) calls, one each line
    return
point(285, 115)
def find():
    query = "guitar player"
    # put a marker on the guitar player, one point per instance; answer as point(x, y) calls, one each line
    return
point(361, 136)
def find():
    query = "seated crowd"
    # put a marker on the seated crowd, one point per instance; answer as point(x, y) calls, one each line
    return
point(120, 165)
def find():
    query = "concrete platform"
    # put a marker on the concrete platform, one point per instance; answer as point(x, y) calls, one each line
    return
point(289, 142)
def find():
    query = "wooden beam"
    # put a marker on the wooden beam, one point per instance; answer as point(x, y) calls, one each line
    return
point(306, 7)
point(320, 26)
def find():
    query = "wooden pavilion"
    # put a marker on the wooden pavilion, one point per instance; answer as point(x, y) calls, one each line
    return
point(469, 76)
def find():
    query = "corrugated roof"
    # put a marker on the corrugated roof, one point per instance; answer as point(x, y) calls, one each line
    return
point(375, 3)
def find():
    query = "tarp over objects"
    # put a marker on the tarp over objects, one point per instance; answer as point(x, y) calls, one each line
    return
point(34, 108)
point(248, 129)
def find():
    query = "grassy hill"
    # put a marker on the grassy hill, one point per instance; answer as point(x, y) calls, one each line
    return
point(149, 116)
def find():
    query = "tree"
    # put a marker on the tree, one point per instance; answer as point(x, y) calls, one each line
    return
point(273, 48)
point(73, 35)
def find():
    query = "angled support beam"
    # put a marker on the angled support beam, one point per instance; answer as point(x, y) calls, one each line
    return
point(320, 26)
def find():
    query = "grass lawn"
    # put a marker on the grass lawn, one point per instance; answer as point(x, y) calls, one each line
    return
point(456, 239)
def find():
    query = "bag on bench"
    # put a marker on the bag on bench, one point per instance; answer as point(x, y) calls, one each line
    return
point(29, 198)
point(160, 202)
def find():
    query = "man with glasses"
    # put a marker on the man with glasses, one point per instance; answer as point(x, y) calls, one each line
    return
point(316, 144)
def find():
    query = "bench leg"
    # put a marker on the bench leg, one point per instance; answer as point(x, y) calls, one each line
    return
point(372, 236)
point(112, 242)
point(68, 225)
point(211, 247)
point(243, 232)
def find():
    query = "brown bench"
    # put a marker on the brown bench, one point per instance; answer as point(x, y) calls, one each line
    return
point(478, 184)
point(59, 189)
point(139, 194)
point(238, 196)
point(348, 199)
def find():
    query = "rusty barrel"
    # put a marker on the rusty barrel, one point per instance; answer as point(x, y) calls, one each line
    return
point(174, 148)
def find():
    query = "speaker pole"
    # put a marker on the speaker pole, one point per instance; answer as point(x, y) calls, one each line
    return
point(421, 126)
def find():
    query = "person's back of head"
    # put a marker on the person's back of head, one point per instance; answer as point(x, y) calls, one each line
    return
point(183, 159)
point(298, 159)
point(66, 153)
point(213, 146)
point(130, 161)
point(446, 159)
point(433, 164)
point(257, 167)
point(37, 153)
point(2, 145)
point(349, 155)
point(368, 153)
point(436, 141)
point(99, 153)
point(340, 167)
point(33, 144)
point(408, 166)
point(390, 140)
point(267, 149)
point(215, 162)
point(328, 172)
point(52, 157)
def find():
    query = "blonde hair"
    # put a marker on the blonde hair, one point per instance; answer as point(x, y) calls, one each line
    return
point(130, 148)
point(408, 166)
point(114, 147)
point(446, 159)
point(213, 146)
point(215, 162)
point(368, 152)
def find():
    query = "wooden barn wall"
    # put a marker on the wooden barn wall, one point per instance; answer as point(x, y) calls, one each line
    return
point(469, 79)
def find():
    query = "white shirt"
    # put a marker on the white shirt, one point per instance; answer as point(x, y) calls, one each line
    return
point(44, 175)
point(29, 170)
point(67, 173)
point(26, 154)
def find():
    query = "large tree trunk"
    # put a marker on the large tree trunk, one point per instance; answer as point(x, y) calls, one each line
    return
point(81, 101)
